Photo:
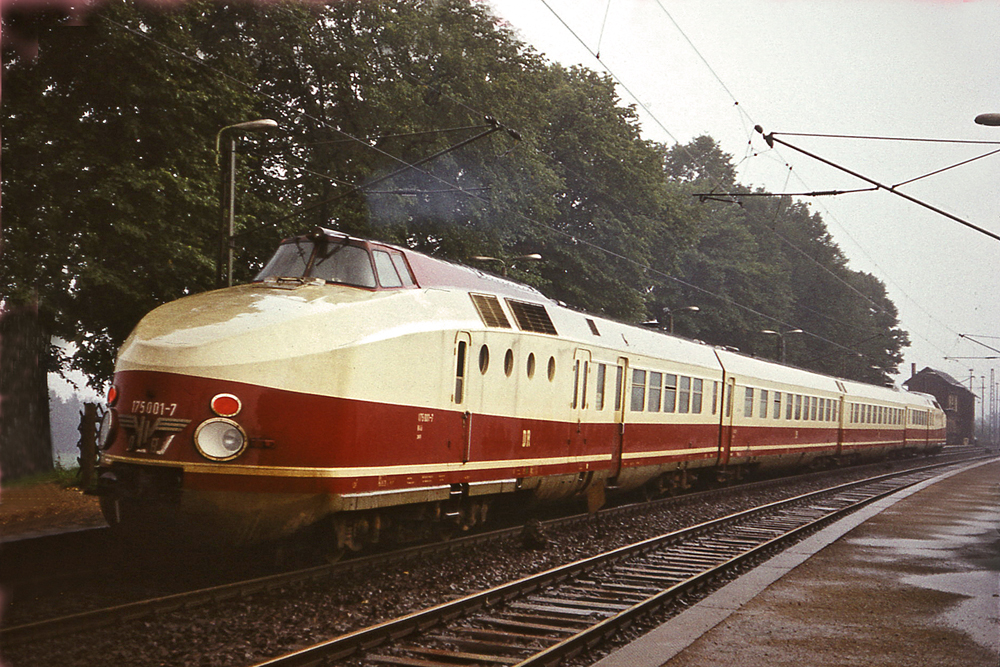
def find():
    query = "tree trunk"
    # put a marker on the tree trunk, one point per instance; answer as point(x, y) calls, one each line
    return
point(25, 436)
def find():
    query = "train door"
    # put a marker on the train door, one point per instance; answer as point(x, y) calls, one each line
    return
point(581, 375)
point(460, 395)
point(618, 446)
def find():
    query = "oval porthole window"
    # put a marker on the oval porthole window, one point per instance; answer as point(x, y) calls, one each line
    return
point(552, 369)
point(484, 359)
point(508, 362)
point(531, 365)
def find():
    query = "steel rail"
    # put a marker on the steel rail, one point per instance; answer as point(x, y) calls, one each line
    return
point(96, 618)
point(551, 616)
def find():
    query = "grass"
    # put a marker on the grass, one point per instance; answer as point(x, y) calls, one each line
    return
point(64, 476)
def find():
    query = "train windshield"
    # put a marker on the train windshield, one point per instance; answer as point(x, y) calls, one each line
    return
point(329, 260)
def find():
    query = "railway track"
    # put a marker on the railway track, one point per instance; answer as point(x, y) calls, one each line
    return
point(131, 611)
point(557, 614)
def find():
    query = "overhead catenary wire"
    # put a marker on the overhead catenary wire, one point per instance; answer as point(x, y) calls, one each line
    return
point(455, 187)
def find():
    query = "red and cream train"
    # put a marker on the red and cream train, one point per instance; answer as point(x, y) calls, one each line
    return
point(356, 387)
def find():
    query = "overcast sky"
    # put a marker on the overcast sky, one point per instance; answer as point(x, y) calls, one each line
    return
point(899, 68)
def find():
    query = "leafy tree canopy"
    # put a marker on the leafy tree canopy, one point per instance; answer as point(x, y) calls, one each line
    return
point(111, 193)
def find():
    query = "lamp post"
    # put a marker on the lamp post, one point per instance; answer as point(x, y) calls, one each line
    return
point(534, 257)
point(670, 314)
point(781, 340)
point(227, 193)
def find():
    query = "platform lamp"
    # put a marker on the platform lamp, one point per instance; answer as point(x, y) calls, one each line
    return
point(781, 340)
point(669, 312)
point(227, 192)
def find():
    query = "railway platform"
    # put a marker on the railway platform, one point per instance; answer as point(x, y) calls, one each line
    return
point(910, 580)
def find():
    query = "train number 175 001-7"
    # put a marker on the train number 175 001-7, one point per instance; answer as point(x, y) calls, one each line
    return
point(153, 408)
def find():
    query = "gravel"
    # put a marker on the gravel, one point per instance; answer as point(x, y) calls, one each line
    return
point(251, 629)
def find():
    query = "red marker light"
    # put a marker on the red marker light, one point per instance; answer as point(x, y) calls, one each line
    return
point(226, 405)
point(112, 396)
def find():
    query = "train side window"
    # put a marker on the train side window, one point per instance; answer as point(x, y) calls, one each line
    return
point(764, 396)
point(798, 407)
point(715, 396)
point(790, 406)
point(583, 393)
point(460, 372)
point(684, 395)
point(552, 369)
point(669, 392)
point(619, 379)
point(508, 362)
point(697, 389)
point(748, 403)
point(776, 414)
point(814, 405)
point(729, 399)
point(655, 389)
point(602, 370)
point(530, 367)
point(829, 409)
point(638, 390)
point(484, 359)
point(834, 411)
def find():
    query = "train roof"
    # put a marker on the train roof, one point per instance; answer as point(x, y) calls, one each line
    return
point(431, 272)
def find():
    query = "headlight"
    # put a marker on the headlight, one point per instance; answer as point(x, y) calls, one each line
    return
point(220, 439)
point(106, 434)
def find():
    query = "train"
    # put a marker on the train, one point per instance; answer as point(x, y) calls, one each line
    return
point(357, 390)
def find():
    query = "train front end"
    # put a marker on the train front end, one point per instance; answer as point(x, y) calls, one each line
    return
point(229, 409)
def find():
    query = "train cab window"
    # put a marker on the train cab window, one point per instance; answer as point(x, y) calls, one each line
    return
point(748, 403)
point(348, 264)
point(386, 270)
point(655, 389)
point(764, 396)
point(402, 269)
point(776, 414)
point(684, 396)
point(638, 390)
point(697, 389)
point(602, 371)
point(332, 260)
point(669, 392)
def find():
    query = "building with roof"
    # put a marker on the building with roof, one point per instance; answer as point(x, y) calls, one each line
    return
point(958, 402)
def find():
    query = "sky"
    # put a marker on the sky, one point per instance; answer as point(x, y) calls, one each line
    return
point(885, 68)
